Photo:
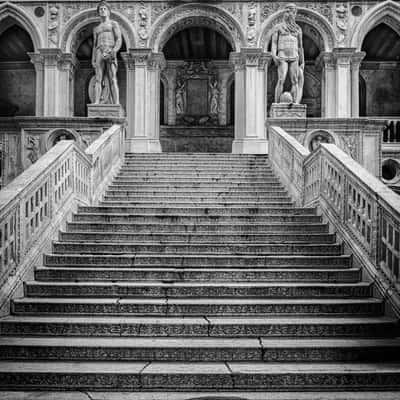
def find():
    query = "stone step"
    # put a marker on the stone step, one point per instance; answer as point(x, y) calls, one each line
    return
point(199, 210)
point(193, 260)
point(199, 248)
point(161, 197)
point(193, 219)
point(80, 274)
point(201, 191)
point(227, 327)
point(197, 306)
point(178, 349)
point(197, 173)
point(188, 290)
point(220, 229)
point(223, 237)
point(132, 202)
point(197, 184)
point(142, 376)
point(128, 201)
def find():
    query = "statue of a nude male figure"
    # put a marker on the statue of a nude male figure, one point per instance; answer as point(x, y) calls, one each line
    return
point(107, 41)
point(288, 54)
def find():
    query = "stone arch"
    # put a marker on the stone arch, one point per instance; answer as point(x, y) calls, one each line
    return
point(387, 13)
point(309, 17)
point(55, 134)
point(189, 15)
point(327, 136)
point(87, 17)
point(25, 20)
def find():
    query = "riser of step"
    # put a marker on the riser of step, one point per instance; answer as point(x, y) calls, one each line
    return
point(195, 219)
point(133, 202)
point(195, 197)
point(190, 261)
point(191, 184)
point(193, 290)
point(197, 275)
point(200, 191)
point(202, 248)
point(197, 307)
point(199, 350)
point(200, 211)
point(205, 376)
point(128, 326)
point(220, 229)
point(230, 237)
point(209, 175)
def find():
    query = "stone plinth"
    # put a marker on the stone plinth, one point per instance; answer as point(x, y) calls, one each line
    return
point(288, 110)
point(105, 110)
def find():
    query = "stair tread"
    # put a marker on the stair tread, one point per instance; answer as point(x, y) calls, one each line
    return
point(185, 342)
point(208, 368)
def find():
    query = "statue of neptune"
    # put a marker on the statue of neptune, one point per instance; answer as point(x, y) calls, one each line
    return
point(107, 41)
point(288, 55)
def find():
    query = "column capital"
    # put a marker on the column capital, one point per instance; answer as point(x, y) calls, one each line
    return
point(249, 57)
point(136, 58)
point(325, 60)
point(343, 55)
point(356, 59)
point(52, 58)
point(157, 61)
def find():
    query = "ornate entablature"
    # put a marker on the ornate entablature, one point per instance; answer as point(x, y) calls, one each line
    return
point(244, 24)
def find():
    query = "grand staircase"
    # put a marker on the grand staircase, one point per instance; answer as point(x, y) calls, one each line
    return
point(197, 273)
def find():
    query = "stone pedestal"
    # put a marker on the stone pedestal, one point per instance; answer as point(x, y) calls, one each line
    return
point(288, 110)
point(105, 110)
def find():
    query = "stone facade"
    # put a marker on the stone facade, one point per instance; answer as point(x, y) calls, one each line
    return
point(54, 79)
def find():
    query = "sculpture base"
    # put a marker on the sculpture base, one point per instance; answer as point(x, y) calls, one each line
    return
point(105, 111)
point(288, 110)
point(250, 146)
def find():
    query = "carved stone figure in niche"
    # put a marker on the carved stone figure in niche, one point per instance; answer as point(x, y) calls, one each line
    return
point(316, 141)
point(180, 98)
point(288, 55)
point(107, 40)
point(214, 97)
point(33, 148)
point(341, 22)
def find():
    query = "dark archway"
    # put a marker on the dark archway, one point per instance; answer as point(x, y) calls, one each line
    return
point(313, 44)
point(380, 71)
point(197, 91)
point(84, 72)
point(17, 73)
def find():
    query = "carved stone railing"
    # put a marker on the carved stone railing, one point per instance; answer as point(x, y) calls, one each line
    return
point(35, 205)
point(360, 208)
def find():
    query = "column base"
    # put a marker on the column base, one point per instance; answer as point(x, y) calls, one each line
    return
point(250, 146)
point(105, 111)
point(136, 145)
point(288, 110)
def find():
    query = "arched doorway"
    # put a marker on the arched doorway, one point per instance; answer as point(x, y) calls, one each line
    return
point(84, 73)
point(313, 45)
point(380, 72)
point(197, 90)
point(17, 73)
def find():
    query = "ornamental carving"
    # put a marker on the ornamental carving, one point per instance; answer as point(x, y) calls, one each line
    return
point(143, 17)
point(53, 26)
point(33, 148)
point(251, 24)
point(349, 144)
point(341, 22)
point(187, 16)
point(235, 9)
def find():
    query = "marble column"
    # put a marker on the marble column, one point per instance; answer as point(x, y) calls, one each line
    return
point(66, 65)
point(142, 106)
point(325, 62)
point(355, 82)
point(250, 132)
point(53, 87)
point(342, 58)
